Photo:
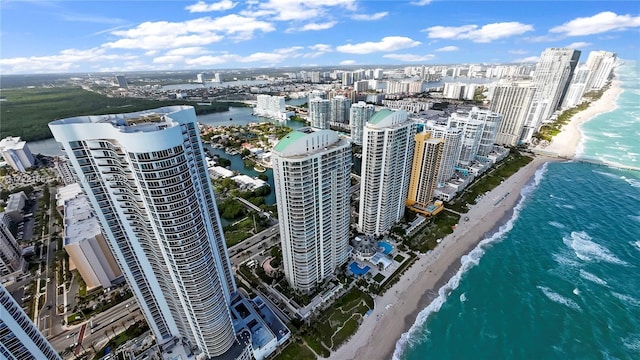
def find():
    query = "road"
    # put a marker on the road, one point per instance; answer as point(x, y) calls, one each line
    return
point(251, 246)
point(103, 326)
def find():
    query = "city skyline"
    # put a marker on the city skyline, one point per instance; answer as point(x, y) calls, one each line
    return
point(50, 36)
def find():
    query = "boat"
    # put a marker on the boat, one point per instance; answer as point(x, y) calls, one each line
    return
point(259, 169)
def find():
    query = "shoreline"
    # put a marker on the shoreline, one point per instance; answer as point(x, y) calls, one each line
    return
point(416, 295)
point(568, 143)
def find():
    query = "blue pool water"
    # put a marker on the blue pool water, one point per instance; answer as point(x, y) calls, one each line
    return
point(386, 247)
point(357, 270)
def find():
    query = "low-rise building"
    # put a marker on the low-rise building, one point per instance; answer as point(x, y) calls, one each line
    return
point(16, 153)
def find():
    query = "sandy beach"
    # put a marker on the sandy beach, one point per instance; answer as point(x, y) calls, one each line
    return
point(566, 143)
point(396, 311)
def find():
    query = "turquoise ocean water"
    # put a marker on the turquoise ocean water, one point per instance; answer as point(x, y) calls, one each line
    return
point(560, 280)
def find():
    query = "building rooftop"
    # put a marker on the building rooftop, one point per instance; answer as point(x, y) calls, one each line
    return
point(291, 138)
point(79, 222)
point(380, 115)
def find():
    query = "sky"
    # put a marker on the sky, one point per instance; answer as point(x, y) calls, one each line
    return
point(41, 36)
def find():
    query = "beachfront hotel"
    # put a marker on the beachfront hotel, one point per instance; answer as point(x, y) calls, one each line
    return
point(359, 114)
point(19, 337)
point(451, 151)
point(424, 172)
point(387, 153)
point(311, 173)
point(146, 177)
point(551, 78)
point(601, 63)
point(512, 99)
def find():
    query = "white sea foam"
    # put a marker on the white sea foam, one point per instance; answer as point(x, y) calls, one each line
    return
point(556, 224)
point(611, 135)
point(566, 206)
point(565, 261)
point(468, 261)
point(634, 217)
point(555, 297)
point(587, 250)
point(626, 298)
point(463, 297)
point(633, 182)
point(632, 342)
point(636, 244)
point(593, 278)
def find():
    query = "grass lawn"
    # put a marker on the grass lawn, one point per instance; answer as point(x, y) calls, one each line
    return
point(399, 258)
point(296, 351)
point(345, 333)
point(438, 227)
point(378, 278)
point(235, 234)
point(316, 346)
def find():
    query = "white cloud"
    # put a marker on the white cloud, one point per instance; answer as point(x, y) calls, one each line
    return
point(188, 51)
point(518, 52)
point(276, 56)
point(389, 43)
point(347, 62)
point(369, 17)
point(168, 59)
point(596, 24)
point(578, 45)
point(409, 57)
point(530, 59)
point(318, 50)
point(201, 6)
point(196, 32)
point(66, 60)
point(421, 2)
point(286, 10)
point(314, 27)
point(484, 34)
point(448, 48)
point(96, 19)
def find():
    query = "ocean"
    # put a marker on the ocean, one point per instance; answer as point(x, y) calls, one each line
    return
point(561, 279)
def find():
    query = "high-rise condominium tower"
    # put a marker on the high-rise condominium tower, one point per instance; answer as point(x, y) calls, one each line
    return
point(319, 113)
point(19, 337)
point(512, 100)
point(577, 87)
point(601, 63)
point(387, 153)
point(359, 115)
point(340, 106)
point(311, 171)
point(551, 79)
point(424, 172)
point(10, 254)
point(146, 177)
point(451, 151)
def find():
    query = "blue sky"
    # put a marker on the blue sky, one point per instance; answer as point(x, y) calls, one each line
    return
point(39, 36)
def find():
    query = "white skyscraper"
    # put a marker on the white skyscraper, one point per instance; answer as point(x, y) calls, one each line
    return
point(577, 87)
point(471, 133)
point(387, 154)
point(359, 114)
point(311, 171)
point(19, 337)
point(491, 122)
point(451, 151)
point(272, 107)
point(340, 106)
point(551, 79)
point(512, 100)
point(16, 153)
point(601, 63)
point(147, 180)
point(10, 254)
point(319, 113)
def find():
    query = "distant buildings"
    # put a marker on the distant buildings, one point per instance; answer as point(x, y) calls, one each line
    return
point(146, 177)
point(121, 80)
point(88, 250)
point(387, 154)
point(10, 253)
point(359, 114)
point(424, 172)
point(16, 153)
point(311, 170)
point(272, 107)
point(551, 79)
point(459, 91)
point(14, 206)
point(512, 100)
point(19, 337)
point(319, 113)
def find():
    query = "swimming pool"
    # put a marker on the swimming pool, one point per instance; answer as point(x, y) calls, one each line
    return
point(357, 270)
point(386, 247)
